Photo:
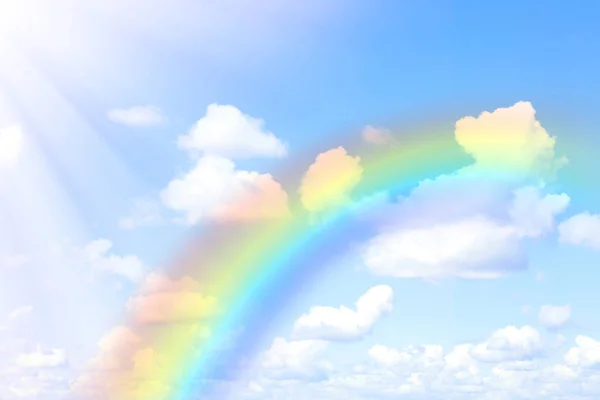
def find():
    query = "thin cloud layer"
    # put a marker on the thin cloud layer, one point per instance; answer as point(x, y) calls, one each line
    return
point(137, 116)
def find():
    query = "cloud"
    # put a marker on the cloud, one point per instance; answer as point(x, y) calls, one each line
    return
point(42, 359)
point(554, 317)
point(378, 136)
point(295, 359)
point(12, 142)
point(585, 354)
point(533, 214)
point(215, 189)
point(581, 229)
point(472, 223)
point(426, 355)
point(163, 300)
point(98, 254)
point(509, 344)
point(227, 132)
point(473, 236)
point(509, 140)
point(116, 349)
point(145, 212)
point(330, 323)
point(476, 248)
point(328, 181)
point(139, 116)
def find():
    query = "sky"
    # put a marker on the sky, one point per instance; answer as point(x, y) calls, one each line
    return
point(123, 124)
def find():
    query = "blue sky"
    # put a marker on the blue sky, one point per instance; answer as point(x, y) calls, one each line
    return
point(83, 222)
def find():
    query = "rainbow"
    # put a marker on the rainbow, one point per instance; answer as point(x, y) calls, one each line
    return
point(253, 269)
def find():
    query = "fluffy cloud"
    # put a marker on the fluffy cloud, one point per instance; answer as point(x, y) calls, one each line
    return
point(554, 317)
point(585, 354)
point(11, 145)
point(163, 300)
point(581, 229)
point(509, 140)
point(42, 359)
point(466, 224)
point(295, 359)
point(510, 344)
point(533, 214)
point(227, 132)
point(137, 116)
point(328, 181)
point(330, 323)
point(116, 349)
point(98, 254)
point(215, 189)
point(473, 248)
point(503, 366)
point(378, 136)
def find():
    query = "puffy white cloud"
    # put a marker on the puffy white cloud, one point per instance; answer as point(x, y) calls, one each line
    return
point(343, 323)
point(295, 359)
point(585, 354)
point(426, 355)
point(137, 116)
point(12, 141)
point(534, 214)
point(509, 371)
point(42, 359)
point(510, 344)
point(215, 189)
point(98, 254)
point(473, 248)
point(554, 316)
point(464, 243)
point(471, 223)
point(581, 229)
point(226, 131)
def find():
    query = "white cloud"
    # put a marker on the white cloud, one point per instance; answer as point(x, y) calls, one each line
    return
point(508, 370)
point(533, 214)
point(215, 189)
point(470, 224)
point(98, 254)
point(585, 354)
point(463, 241)
point(581, 229)
point(510, 344)
point(141, 116)
point(226, 131)
point(145, 212)
point(473, 248)
point(343, 323)
point(554, 316)
point(42, 359)
point(11, 145)
point(295, 359)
